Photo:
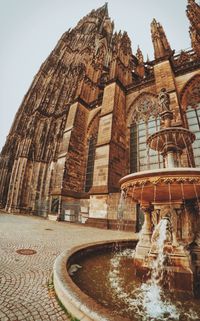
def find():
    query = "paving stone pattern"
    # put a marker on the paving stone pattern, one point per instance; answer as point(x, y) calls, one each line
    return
point(24, 279)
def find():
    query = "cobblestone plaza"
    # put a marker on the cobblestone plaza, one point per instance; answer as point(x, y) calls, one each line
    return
point(24, 279)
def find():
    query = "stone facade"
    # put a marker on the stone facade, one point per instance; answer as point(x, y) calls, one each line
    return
point(78, 129)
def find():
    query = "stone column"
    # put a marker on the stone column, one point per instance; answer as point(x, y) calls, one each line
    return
point(109, 165)
point(144, 244)
point(59, 216)
point(170, 160)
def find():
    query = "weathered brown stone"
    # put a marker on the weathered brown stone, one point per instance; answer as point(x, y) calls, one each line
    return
point(92, 86)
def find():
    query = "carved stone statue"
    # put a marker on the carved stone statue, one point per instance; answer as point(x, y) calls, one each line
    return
point(169, 212)
point(164, 100)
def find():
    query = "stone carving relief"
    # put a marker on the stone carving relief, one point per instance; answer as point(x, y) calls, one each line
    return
point(99, 58)
point(125, 44)
point(144, 107)
point(183, 58)
point(170, 213)
point(121, 47)
point(107, 29)
point(61, 89)
point(166, 180)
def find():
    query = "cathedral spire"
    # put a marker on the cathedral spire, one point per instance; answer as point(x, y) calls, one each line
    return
point(193, 13)
point(96, 16)
point(97, 23)
point(102, 11)
point(159, 39)
point(105, 7)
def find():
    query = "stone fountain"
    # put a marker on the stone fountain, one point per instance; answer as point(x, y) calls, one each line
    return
point(171, 193)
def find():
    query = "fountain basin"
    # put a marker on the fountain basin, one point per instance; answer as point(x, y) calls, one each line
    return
point(89, 296)
point(176, 138)
point(163, 185)
point(76, 302)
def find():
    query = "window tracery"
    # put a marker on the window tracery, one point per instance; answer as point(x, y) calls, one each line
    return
point(144, 107)
point(144, 122)
point(192, 94)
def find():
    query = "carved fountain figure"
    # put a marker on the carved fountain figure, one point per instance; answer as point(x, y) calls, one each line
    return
point(171, 193)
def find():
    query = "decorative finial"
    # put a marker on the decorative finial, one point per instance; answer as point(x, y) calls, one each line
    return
point(139, 55)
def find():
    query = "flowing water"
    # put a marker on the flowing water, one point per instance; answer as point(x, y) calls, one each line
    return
point(121, 206)
point(147, 300)
point(110, 279)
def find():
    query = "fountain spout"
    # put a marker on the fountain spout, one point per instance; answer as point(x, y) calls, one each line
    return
point(158, 230)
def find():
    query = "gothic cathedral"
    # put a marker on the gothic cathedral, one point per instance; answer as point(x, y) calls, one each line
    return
point(84, 122)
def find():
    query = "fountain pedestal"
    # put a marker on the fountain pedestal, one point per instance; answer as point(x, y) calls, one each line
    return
point(177, 270)
point(144, 245)
point(177, 259)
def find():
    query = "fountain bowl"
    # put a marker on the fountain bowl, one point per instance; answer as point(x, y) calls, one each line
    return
point(177, 137)
point(71, 293)
point(76, 302)
point(163, 185)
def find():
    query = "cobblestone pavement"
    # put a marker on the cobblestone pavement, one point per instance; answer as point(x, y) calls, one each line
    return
point(24, 291)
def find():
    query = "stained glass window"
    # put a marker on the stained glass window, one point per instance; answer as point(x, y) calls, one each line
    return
point(145, 122)
point(193, 117)
point(141, 157)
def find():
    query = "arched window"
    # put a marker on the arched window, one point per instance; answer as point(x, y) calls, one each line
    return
point(144, 122)
point(193, 117)
point(191, 104)
point(90, 163)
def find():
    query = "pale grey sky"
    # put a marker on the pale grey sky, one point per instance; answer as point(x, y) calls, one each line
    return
point(30, 29)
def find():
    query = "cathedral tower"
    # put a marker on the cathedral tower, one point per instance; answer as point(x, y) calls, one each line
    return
point(38, 156)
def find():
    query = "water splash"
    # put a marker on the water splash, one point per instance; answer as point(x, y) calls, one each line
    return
point(121, 206)
point(149, 301)
point(146, 301)
point(152, 295)
point(160, 235)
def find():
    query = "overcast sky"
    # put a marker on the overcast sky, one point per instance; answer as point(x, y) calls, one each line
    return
point(30, 29)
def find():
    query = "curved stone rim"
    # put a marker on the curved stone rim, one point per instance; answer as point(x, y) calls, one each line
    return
point(188, 172)
point(172, 130)
point(184, 137)
point(76, 302)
